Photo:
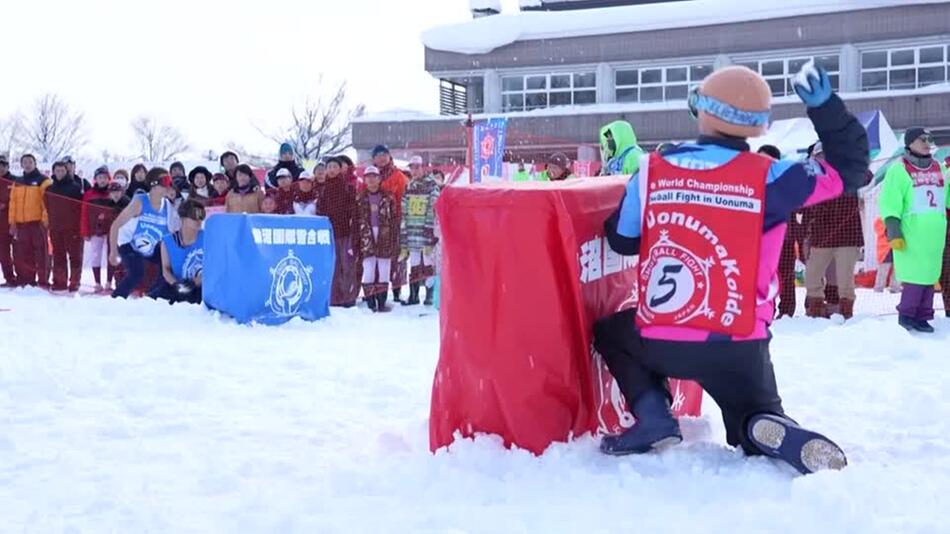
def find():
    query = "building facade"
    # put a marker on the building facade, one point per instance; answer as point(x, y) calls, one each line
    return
point(558, 91)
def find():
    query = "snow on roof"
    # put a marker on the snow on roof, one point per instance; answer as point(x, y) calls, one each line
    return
point(485, 34)
point(402, 115)
point(476, 5)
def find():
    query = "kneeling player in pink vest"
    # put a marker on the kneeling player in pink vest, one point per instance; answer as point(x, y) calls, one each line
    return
point(708, 219)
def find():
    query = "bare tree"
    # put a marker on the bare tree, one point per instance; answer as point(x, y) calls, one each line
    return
point(11, 135)
point(158, 142)
point(246, 156)
point(320, 127)
point(54, 130)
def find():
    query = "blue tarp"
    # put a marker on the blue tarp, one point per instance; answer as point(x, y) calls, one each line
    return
point(268, 268)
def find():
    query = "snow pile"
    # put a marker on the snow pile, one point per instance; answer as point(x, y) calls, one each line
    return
point(485, 34)
point(139, 417)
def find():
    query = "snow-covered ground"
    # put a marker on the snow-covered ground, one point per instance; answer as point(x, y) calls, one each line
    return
point(138, 417)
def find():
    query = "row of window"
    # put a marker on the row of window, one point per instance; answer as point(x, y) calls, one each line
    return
point(535, 91)
point(907, 68)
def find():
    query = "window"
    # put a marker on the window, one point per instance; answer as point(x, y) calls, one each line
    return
point(537, 91)
point(658, 84)
point(904, 68)
point(778, 72)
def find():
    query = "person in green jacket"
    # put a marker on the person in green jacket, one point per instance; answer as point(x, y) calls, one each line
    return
point(913, 202)
point(522, 175)
point(619, 150)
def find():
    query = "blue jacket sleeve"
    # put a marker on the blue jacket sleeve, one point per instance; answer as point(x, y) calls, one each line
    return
point(844, 141)
point(624, 245)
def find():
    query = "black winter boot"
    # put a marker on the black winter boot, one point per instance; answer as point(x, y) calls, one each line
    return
point(413, 294)
point(781, 438)
point(655, 427)
point(397, 292)
point(381, 296)
point(430, 295)
point(369, 296)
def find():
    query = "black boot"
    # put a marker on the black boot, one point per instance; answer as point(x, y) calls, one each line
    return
point(430, 295)
point(781, 438)
point(655, 427)
point(413, 294)
point(397, 292)
point(381, 297)
point(369, 296)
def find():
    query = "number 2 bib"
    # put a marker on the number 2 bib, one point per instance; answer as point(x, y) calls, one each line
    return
point(929, 191)
point(699, 252)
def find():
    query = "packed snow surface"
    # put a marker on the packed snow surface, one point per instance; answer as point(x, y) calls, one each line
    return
point(140, 417)
point(485, 34)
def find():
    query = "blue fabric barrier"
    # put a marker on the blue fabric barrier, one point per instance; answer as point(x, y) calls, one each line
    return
point(268, 269)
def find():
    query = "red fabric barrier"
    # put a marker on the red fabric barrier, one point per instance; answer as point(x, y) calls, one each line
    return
point(526, 271)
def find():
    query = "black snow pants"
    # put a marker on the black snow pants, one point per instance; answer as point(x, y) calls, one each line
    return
point(737, 375)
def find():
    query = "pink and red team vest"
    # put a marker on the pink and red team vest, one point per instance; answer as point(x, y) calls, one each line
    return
point(929, 193)
point(700, 244)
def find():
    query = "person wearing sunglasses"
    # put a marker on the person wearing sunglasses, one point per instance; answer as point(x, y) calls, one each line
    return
point(137, 231)
point(708, 219)
point(914, 201)
point(183, 257)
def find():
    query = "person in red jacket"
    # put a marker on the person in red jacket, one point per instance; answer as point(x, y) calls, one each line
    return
point(220, 184)
point(285, 192)
point(836, 235)
point(395, 183)
point(64, 206)
point(6, 240)
point(93, 232)
point(336, 199)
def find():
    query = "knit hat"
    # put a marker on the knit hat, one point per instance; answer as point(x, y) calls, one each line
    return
point(282, 172)
point(306, 175)
point(101, 170)
point(285, 148)
point(416, 160)
point(219, 176)
point(68, 160)
point(370, 170)
point(733, 101)
point(380, 149)
point(912, 134)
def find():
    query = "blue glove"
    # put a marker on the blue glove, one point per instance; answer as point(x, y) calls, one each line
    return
point(812, 85)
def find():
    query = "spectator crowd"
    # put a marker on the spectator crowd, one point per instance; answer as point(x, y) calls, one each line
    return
point(148, 222)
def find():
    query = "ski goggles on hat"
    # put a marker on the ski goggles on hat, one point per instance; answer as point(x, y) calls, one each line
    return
point(704, 103)
point(927, 138)
point(164, 181)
